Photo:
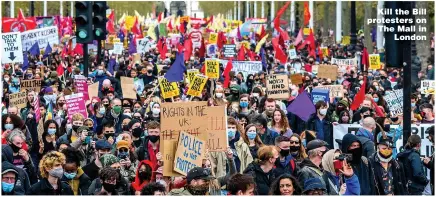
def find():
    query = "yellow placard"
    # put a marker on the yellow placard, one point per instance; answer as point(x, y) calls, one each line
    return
point(306, 31)
point(191, 74)
point(168, 90)
point(212, 69)
point(346, 40)
point(111, 39)
point(196, 86)
point(213, 37)
point(374, 61)
point(325, 51)
point(117, 40)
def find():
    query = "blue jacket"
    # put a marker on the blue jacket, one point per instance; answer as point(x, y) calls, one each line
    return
point(327, 129)
point(367, 140)
point(352, 183)
point(414, 170)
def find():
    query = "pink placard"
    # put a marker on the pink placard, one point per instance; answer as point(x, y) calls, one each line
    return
point(75, 104)
point(81, 85)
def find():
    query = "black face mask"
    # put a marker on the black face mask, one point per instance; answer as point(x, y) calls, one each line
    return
point(109, 187)
point(284, 152)
point(153, 138)
point(294, 148)
point(200, 190)
point(357, 154)
point(75, 127)
point(315, 83)
point(15, 148)
point(108, 135)
point(149, 71)
point(137, 132)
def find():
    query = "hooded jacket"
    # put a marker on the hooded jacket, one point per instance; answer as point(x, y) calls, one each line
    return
point(367, 141)
point(80, 183)
point(414, 170)
point(7, 155)
point(352, 183)
point(327, 128)
point(22, 183)
point(137, 185)
point(263, 180)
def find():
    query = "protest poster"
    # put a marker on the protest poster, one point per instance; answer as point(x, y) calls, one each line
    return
point(31, 85)
point(374, 61)
point(117, 40)
point(75, 104)
point(428, 86)
point(136, 57)
point(325, 51)
point(394, 100)
point(12, 48)
point(81, 85)
point(344, 62)
point(335, 90)
point(212, 68)
point(217, 129)
point(346, 40)
point(277, 86)
point(143, 45)
point(306, 31)
point(296, 79)
point(43, 36)
point(211, 50)
point(118, 48)
point(184, 19)
point(229, 50)
point(191, 74)
point(319, 94)
point(190, 153)
point(292, 53)
point(18, 99)
point(245, 67)
point(327, 71)
point(163, 29)
point(110, 39)
point(128, 87)
point(196, 38)
point(168, 90)
point(196, 86)
point(213, 37)
point(93, 90)
point(175, 118)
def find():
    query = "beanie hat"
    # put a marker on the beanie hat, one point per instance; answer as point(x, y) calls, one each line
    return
point(108, 160)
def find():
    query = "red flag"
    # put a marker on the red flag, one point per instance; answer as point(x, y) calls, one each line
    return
point(299, 37)
point(170, 26)
point(226, 73)
point(162, 47)
point(221, 40)
point(320, 53)
point(159, 18)
point(182, 28)
point(64, 52)
point(311, 40)
point(135, 29)
point(365, 58)
point(20, 23)
point(110, 23)
point(241, 53)
point(202, 50)
point(210, 20)
point(306, 14)
point(60, 70)
point(280, 55)
point(279, 14)
point(262, 33)
point(378, 111)
point(360, 96)
point(252, 55)
point(188, 48)
point(78, 49)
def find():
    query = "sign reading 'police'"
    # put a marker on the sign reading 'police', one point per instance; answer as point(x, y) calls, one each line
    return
point(12, 48)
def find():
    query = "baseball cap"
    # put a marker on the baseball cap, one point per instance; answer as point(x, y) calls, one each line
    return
point(386, 141)
point(198, 173)
point(122, 144)
point(314, 144)
point(313, 183)
point(102, 144)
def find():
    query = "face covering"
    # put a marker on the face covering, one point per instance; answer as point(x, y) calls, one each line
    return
point(198, 190)
point(345, 119)
point(294, 93)
point(376, 100)
point(153, 138)
point(323, 112)
point(387, 127)
point(284, 152)
point(413, 104)
point(117, 109)
point(231, 133)
point(123, 155)
point(385, 155)
point(75, 127)
point(9, 126)
point(155, 111)
point(15, 148)
point(51, 131)
point(7, 187)
point(294, 148)
point(357, 154)
point(102, 111)
point(109, 187)
point(256, 95)
point(70, 176)
point(56, 172)
point(108, 135)
point(6, 79)
point(219, 95)
point(243, 104)
point(251, 135)
point(128, 114)
point(136, 132)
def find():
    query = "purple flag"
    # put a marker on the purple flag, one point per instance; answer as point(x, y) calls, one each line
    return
point(25, 61)
point(111, 65)
point(175, 73)
point(34, 50)
point(47, 50)
point(262, 56)
point(374, 34)
point(132, 47)
point(302, 106)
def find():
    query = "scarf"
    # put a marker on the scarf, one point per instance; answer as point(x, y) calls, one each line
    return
point(152, 155)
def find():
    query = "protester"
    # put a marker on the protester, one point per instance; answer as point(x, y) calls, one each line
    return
point(241, 185)
point(296, 148)
point(320, 123)
point(286, 163)
point(197, 183)
point(74, 175)
point(285, 185)
point(429, 161)
point(366, 136)
point(262, 170)
point(252, 139)
point(153, 189)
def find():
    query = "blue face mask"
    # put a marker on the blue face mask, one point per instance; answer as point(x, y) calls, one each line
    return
point(100, 72)
point(243, 104)
point(376, 100)
point(51, 131)
point(7, 187)
point(9, 126)
point(231, 133)
point(70, 176)
point(251, 135)
point(413, 104)
point(102, 111)
point(123, 155)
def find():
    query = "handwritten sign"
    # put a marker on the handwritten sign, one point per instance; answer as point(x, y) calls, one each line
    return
point(168, 90)
point(18, 99)
point(344, 62)
point(80, 83)
point(31, 85)
point(196, 86)
point(374, 61)
point(12, 48)
point(42, 35)
point(93, 90)
point(327, 71)
point(277, 86)
point(335, 90)
point(428, 86)
point(217, 128)
point(118, 48)
point(229, 50)
point(394, 100)
point(190, 153)
point(76, 104)
point(175, 118)
point(128, 87)
point(213, 37)
point(212, 68)
point(297, 79)
point(191, 74)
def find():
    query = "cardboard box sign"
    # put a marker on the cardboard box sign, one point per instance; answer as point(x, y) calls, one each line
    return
point(18, 99)
point(277, 86)
point(327, 71)
point(190, 153)
point(296, 79)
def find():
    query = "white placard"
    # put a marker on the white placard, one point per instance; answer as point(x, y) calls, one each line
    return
point(246, 67)
point(118, 48)
point(292, 53)
point(344, 62)
point(143, 45)
point(42, 36)
point(12, 48)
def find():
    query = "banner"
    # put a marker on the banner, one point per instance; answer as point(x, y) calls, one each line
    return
point(81, 85)
point(12, 48)
point(196, 86)
point(229, 50)
point(18, 99)
point(335, 90)
point(196, 39)
point(213, 37)
point(319, 94)
point(327, 71)
point(394, 100)
point(245, 67)
point(31, 85)
point(175, 118)
point(212, 68)
point(118, 48)
point(428, 86)
point(143, 45)
point(277, 87)
point(191, 74)
point(43, 36)
point(374, 61)
point(168, 90)
point(217, 129)
point(190, 153)
point(128, 87)
point(75, 104)
point(344, 62)
point(297, 79)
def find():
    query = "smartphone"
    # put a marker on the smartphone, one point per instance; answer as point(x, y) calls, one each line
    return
point(338, 165)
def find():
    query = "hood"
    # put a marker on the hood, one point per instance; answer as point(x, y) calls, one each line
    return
point(327, 161)
point(405, 153)
point(6, 166)
point(137, 185)
point(7, 153)
point(347, 140)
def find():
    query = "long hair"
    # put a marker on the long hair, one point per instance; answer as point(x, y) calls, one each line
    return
point(275, 186)
point(302, 152)
point(257, 139)
point(283, 124)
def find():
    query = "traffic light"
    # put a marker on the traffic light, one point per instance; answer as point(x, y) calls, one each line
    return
point(83, 22)
point(99, 8)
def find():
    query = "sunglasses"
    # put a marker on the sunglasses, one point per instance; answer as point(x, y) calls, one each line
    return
point(294, 142)
point(121, 150)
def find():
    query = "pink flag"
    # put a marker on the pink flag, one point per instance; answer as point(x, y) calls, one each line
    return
point(299, 37)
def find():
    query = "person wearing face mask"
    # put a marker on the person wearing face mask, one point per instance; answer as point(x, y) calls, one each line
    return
point(219, 98)
point(286, 163)
point(115, 115)
point(150, 75)
point(252, 139)
point(244, 108)
point(73, 173)
point(127, 162)
point(49, 96)
point(413, 166)
point(48, 139)
point(296, 148)
point(340, 107)
point(429, 161)
point(108, 179)
point(384, 125)
point(262, 169)
point(198, 183)
point(234, 94)
point(154, 113)
point(387, 175)
point(320, 122)
point(72, 135)
point(366, 136)
point(10, 177)
point(102, 147)
point(149, 150)
point(51, 173)
point(143, 176)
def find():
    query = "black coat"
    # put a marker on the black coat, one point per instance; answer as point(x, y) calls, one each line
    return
point(327, 129)
point(376, 173)
point(84, 183)
point(263, 180)
point(430, 166)
point(414, 170)
point(7, 155)
point(43, 187)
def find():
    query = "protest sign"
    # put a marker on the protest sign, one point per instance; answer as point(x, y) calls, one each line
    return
point(277, 86)
point(217, 128)
point(143, 45)
point(137, 57)
point(128, 87)
point(292, 53)
point(43, 36)
point(191, 74)
point(117, 40)
point(229, 50)
point(346, 40)
point(12, 48)
point(245, 67)
point(81, 85)
point(184, 19)
point(36, 106)
point(306, 31)
point(213, 37)
point(110, 39)
point(196, 38)
point(394, 100)
point(327, 71)
point(93, 90)
point(190, 153)
point(319, 94)
point(196, 86)
point(325, 51)
point(18, 99)
point(118, 48)
point(211, 50)
point(175, 118)
point(75, 104)
point(374, 61)
point(31, 85)
point(168, 90)
point(335, 90)
point(163, 29)
point(297, 79)
point(428, 86)
point(344, 62)
point(212, 68)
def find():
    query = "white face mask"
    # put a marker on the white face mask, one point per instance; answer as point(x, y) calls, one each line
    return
point(128, 114)
point(323, 112)
point(219, 95)
point(256, 95)
point(155, 111)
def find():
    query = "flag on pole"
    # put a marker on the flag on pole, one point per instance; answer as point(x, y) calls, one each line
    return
point(299, 37)
point(279, 14)
point(302, 106)
point(111, 23)
point(306, 14)
point(360, 96)
point(34, 50)
point(280, 55)
point(176, 71)
point(47, 51)
point(226, 73)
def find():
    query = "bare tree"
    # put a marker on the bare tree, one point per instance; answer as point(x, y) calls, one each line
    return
point(423, 46)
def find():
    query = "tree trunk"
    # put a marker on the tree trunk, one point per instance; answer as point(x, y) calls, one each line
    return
point(326, 18)
point(346, 21)
point(423, 46)
point(367, 27)
point(7, 8)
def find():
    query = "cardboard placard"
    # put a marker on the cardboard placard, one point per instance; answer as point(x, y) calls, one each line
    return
point(217, 129)
point(315, 69)
point(212, 68)
point(143, 45)
point(81, 85)
point(44, 36)
point(93, 90)
point(31, 85)
point(394, 100)
point(175, 118)
point(229, 50)
point(277, 86)
point(117, 40)
point(374, 61)
point(213, 37)
point(346, 40)
point(327, 71)
point(128, 87)
point(136, 57)
point(190, 153)
point(18, 99)
point(297, 79)
point(76, 104)
point(168, 90)
point(191, 74)
point(12, 48)
point(196, 86)
point(319, 94)
point(428, 86)
point(335, 90)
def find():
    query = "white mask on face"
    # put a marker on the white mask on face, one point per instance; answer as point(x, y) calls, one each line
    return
point(219, 95)
point(155, 111)
point(323, 112)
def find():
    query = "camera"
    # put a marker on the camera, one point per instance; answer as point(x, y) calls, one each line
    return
point(348, 157)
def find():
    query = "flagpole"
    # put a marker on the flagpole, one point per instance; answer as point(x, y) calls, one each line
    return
point(239, 10)
point(338, 21)
point(292, 24)
point(61, 10)
point(262, 5)
point(311, 14)
point(12, 11)
point(380, 5)
point(247, 8)
point(272, 13)
point(235, 10)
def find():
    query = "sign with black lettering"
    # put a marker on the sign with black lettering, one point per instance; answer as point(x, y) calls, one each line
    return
point(394, 99)
point(31, 85)
point(229, 50)
point(277, 86)
point(196, 86)
point(190, 153)
point(143, 45)
point(217, 129)
point(42, 35)
point(12, 48)
point(212, 68)
point(18, 99)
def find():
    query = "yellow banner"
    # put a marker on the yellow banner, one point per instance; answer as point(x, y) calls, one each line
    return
point(374, 61)
point(212, 69)
point(191, 74)
point(345, 40)
point(168, 90)
point(213, 37)
point(197, 85)
point(325, 51)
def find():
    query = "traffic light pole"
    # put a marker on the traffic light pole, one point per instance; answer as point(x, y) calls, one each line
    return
point(99, 52)
point(85, 59)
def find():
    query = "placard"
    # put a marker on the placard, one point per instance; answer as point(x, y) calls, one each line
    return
point(168, 90)
point(346, 40)
point(229, 50)
point(196, 86)
point(217, 139)
point(211, 50)
point(143, 45)
point(292, 53)
point(325, 51)
point(306, 31)
point(394, 100)
point(136, 57)
point(75, 104)
point(128, 87)
point(277, 86)
point(327, 71)
point(344, 62)
point(118, 48)
point(93, 90)
point(319, 94)
point(191, 74)
point(190, 153)
point(428, 86)
point(213, 37)
point(335, 90)
point(297, 79)
point(42, 35)
point(212, 68)
point(175, 118)
point(374, 61)
point(18, 99)
point(315, 69)
point(245, 67)
point(196, 38)
point(31, 85)
point(111, 39)
point(81, 85)
point(12, 48)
